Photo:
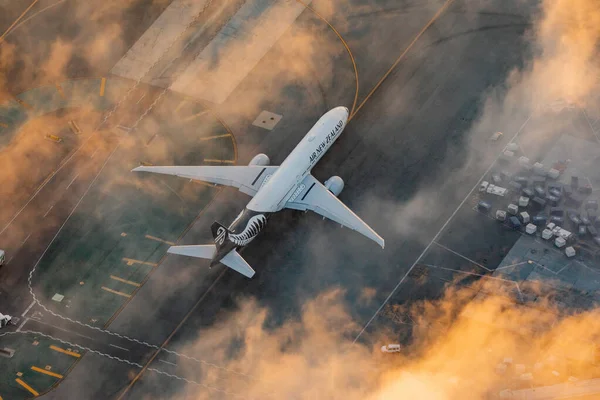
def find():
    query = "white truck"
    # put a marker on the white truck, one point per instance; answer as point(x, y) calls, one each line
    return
point(4, 320)
point(391, 348)
point(497, 190)
point(2, 257)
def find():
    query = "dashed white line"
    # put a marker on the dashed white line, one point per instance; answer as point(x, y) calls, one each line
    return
point(166, 362)
point(72, 180)
point(22, 323)
point(118, 347)
point(461, 256)
point(438, 233)
point(590, 124)
point(48, 211)
point(512, 265)
point(26, 238)
point(94, 153)
point(28, 308)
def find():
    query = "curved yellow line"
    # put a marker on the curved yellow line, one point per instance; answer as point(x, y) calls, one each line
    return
point(389, 71)
point(345, 45)
point(18, 19)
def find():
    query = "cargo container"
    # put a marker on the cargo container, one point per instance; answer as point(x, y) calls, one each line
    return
point(513, 209)
point(559, 242)
point(546, 234)
point(523, 180)
point(484, 185)
point(557, 219)
point(553, 173)
point(539, 220)
point(524, 217)
point(501, 215)
point(527, 192)
point(539, 202)
point(555, 192)
point(557, 211)
point(523, 201)
point(582, 231)
point(496, 190)
point(514, 223)
point(591, 205)
point(570, 251)
point(484, 206)
point(592, 230)
point(539, 191)
point(552, 200)
point(530, 229)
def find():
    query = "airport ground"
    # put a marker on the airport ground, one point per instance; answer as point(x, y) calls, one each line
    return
point(413, 135)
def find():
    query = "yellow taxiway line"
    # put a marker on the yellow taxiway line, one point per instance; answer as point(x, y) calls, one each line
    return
point(131, 261)
point(67, 352)
point(18, 19)
point(192, 117)
point(60, 91)
point(102, 86)
point(211, 160)
point(115, 292)
point(46, 372)
point(215, 137)
point(159, 240)
point(116, 278)
point(389, 71)
point(26, 386)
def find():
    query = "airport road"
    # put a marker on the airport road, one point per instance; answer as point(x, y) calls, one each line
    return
point(411, 133)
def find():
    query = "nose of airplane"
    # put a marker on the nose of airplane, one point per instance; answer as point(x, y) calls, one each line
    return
point(347, 111)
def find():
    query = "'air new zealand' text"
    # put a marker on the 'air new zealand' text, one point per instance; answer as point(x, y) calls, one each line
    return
point(328, 139)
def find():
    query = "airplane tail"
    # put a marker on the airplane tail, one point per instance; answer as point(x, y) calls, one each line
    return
point(199, 251)
point(232, 259)
point(220, 234)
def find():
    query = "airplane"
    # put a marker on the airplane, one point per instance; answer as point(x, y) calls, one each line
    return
point(272, 188)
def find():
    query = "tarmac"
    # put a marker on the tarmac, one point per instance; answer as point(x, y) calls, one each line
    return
point(409, 135)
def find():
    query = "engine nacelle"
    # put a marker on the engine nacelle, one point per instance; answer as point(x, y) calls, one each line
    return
point(335, 184)
point(260, 159)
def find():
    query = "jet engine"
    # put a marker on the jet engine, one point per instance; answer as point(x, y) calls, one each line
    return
point(335, 184)
point(260, 159)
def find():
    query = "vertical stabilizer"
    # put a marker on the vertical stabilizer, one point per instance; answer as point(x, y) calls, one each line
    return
point(220, 234)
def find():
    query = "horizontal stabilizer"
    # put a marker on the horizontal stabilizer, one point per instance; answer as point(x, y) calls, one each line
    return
point(234, 261)
point(200, 251)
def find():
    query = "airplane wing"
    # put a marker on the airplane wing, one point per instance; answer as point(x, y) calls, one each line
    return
point(316, 197)
point(248, 179)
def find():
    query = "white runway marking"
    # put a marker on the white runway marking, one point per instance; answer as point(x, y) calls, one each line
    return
point(72, 180)
point(237, 49)
point(28, 308)
point(158, 39)
point(22, 323)
point(438, 234)
point(118, 347)
point(461, 256)
point(48, 211)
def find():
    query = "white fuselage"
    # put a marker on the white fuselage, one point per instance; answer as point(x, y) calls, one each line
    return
point(285, 182)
